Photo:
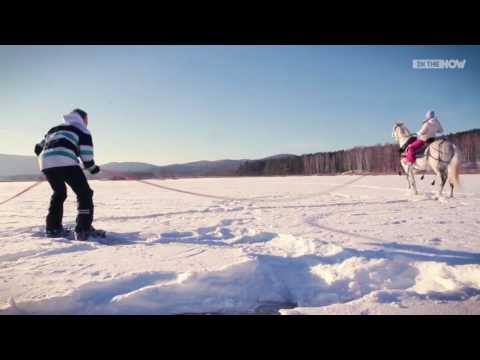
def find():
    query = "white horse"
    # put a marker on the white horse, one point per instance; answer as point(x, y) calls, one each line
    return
point(441, 156)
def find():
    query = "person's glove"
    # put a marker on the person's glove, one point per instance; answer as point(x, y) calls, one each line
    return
point(94, 170)
point(38, 149)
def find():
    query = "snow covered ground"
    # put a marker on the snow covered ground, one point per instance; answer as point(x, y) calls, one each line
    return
point(301, 245)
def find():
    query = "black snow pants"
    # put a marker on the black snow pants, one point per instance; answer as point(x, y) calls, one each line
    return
point(75, 178)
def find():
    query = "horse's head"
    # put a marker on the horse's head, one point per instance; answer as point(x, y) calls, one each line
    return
point(400, 131)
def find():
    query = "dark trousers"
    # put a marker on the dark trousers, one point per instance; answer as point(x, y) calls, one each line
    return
point(75, 178)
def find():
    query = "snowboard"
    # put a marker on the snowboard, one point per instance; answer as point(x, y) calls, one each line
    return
point(98, 236)
point(69, 234)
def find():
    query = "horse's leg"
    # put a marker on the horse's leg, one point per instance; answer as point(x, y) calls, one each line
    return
point(412, 180)
point(408, 180)
point(443, 177)
point(450, 181)
point(406, 169)
point(439, 171)
point(452, 169)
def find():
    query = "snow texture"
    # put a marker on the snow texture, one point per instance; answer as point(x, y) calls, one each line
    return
point(294, 248)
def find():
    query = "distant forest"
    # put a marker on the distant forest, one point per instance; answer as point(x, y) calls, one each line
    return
point(380, 159)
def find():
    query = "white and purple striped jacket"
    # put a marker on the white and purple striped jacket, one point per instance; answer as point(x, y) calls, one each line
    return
point(65, 143)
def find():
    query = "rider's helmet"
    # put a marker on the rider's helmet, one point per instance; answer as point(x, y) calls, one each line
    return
point(429, 115)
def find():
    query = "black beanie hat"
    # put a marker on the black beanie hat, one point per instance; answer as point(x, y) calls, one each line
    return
point(82, 113)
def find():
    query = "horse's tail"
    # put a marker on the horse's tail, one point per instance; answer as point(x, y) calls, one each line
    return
point(454, 168)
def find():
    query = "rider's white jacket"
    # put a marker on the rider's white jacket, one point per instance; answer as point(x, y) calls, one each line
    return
point(430, 128)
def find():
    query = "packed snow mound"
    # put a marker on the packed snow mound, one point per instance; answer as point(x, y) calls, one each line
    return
point(368, 248)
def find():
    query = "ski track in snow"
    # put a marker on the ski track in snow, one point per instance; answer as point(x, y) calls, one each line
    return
point(366, 248)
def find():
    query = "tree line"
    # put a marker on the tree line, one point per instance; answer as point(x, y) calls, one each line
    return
point(378, 159)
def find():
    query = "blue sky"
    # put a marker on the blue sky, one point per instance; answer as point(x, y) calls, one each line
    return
point(171, 104)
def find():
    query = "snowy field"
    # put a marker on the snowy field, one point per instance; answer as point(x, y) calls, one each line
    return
point(300, 245)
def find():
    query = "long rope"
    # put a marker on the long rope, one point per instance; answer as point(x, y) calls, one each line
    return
point(262, 198)
point(191, 192)
point(327, 191)
point(21, 192)
point(127, 177)
point(199, 194)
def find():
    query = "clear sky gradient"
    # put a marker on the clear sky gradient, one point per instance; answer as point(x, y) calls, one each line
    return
point(172, 104)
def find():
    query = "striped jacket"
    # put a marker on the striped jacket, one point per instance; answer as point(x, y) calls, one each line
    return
point(64, 144)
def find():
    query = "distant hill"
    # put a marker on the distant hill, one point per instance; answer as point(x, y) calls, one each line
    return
point(18, 167)
point(130, 167)
point(197, 168)
point(203, 168)
point(279, 156)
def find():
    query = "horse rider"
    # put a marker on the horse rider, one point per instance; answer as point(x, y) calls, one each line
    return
point(430, 128)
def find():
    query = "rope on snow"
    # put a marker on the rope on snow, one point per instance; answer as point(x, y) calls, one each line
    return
point(262, 199)
point(21, 192)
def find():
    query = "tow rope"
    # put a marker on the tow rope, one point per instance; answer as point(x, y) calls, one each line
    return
point(146, 182)
point(22, 192)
